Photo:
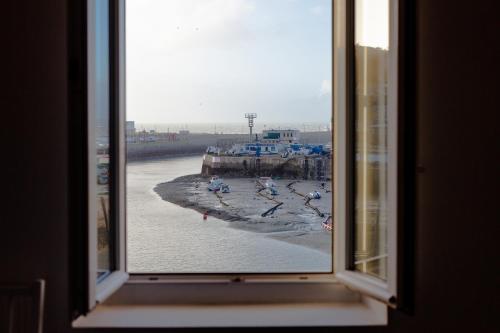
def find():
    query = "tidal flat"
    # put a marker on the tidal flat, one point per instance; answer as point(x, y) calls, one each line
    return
point(296, 220)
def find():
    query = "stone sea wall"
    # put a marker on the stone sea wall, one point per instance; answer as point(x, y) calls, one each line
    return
point(300, 167)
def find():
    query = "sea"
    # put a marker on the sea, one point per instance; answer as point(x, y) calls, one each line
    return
point(231, 128)
point(165, 238)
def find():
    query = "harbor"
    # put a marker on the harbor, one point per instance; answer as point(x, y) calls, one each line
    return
point(273, 183)
point(297, 219)
point(167, 236)
point(273, 188)
point(157, 142)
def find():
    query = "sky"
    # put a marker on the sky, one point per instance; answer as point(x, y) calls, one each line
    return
point(196, 61)
point(372, 23)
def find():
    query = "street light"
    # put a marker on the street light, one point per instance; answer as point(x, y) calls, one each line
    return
point(250, 117)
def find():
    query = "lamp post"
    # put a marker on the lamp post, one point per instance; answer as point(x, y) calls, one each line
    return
point(250, 117)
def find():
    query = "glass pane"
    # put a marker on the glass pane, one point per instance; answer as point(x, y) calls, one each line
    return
point(371, 64)
point(102, 115)
point(229, 108)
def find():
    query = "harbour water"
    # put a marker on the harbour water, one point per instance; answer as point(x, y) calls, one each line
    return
point(165, 238)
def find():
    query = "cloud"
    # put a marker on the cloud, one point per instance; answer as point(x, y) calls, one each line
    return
point(326, 88)
point(316, 10)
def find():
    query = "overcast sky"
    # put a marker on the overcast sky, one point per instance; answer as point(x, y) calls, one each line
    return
point(193, 61)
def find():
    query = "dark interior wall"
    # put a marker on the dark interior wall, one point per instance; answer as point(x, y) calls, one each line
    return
point(456, 276)
point(457, 177)
point(34, 168)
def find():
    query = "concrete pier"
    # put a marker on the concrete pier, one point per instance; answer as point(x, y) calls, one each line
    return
point(300, 167)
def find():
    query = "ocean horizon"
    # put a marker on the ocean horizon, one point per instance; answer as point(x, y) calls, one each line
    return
point(231, 128)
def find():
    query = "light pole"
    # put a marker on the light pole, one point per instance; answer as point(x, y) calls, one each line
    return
point(250, 117)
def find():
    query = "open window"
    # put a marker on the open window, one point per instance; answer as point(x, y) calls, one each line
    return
point(365, 184)
point(367, 146)
point(105, 149)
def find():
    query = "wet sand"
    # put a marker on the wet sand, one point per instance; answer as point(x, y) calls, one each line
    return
point(293, 222)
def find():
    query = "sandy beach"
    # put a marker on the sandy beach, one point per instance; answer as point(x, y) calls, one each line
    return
point(293, 221)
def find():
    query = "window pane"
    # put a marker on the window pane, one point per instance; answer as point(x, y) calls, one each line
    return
point(198, 72)
point(371, 64)
point(102, 134)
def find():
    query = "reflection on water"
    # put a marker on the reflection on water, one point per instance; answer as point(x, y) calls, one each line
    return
point(163, 237)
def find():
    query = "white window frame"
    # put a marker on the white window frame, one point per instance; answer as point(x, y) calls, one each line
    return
point(343, 298)
point(98, 292)
point(385, 291)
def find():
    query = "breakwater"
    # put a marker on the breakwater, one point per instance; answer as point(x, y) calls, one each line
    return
point(189, 144)
point(197, 143)
point(298, 167)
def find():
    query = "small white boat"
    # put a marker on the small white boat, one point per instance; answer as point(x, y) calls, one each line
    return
point(218, 185)
point(269, 185)
point(272, 190)
point(213, 178)
point(224, 188)
point(215, 185)
point(314, 195)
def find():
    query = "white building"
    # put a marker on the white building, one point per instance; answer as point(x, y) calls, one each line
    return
point(280, 136)
point(130, 128)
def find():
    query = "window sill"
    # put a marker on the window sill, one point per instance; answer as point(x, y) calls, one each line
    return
point(237, 305)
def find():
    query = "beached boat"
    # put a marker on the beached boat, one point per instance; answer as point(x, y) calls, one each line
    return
point(314, 195)
point(225, 188)
point(213, 178)
point(268, 184)
point(217, 184)
point(272, 191)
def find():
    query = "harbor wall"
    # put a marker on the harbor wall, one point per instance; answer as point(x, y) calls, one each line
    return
point(301, 167)
point(188, 144)
point(197, 143)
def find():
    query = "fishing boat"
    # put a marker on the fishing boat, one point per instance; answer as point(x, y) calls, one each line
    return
point(217, 184)
point(224, 188)
point(272, 191)
point(213, 178)
point(314, 195)
point(268, 184)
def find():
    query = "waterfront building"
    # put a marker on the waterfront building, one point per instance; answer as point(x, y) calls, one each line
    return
point(280, 136)
point(130, 128)
point(130, 132)
point(256, 148)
